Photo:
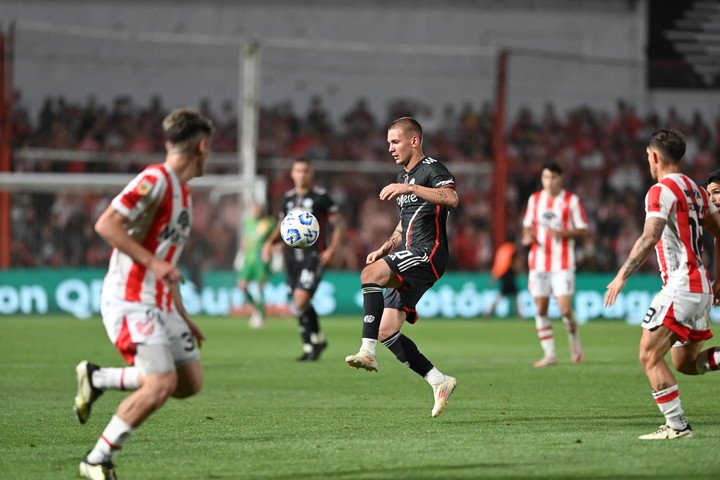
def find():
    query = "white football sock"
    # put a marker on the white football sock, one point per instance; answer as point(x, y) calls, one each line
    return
point(545, 334)
point(368, 346)
point(115, 378)
point(112, 439)
point(434, 376)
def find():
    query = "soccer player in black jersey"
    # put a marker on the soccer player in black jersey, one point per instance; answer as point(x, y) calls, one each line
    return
point(410, 261)
point(304, 266)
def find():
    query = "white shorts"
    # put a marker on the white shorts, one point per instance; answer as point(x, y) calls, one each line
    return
point(129, 324)
point(687, 314)
point(560, 284)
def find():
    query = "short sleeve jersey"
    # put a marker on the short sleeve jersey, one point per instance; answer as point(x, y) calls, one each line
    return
point(424, 223)
point(320, 204)
point(678, 200)
point(158, 209)
point(544, 213)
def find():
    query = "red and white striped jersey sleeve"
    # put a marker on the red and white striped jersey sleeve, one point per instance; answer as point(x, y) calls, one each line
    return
point(529, 218)
point(144, 190)
point(577, 212)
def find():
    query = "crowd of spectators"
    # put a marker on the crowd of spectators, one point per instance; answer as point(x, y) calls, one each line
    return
point(603, 154)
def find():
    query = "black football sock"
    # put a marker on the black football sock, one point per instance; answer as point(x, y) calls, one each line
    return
point(373, 304)
point(310, 319)
point(305, 328)
point(407, 353)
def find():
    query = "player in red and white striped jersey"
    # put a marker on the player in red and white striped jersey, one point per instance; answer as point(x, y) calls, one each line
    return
point(677, 212)
point(147, 225)
point(553, 220)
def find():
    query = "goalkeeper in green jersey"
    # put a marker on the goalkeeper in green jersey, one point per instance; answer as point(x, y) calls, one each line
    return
point(249, 263)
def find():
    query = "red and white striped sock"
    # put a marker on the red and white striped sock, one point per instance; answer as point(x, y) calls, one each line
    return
point(708, 360)
point(545, 334)
point(668, 401)
point(115, 378)
point(112, 439)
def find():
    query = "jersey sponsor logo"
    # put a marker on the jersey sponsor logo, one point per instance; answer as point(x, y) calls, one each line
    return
point(405, 199)
point(369, 318)
point(550, 220)
point(173, 234)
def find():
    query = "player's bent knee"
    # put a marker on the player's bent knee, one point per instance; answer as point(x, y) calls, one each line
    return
point(160, 387)
point(375, 273)
point(685, 366)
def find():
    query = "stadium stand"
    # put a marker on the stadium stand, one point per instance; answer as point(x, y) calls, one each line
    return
point(602, 153)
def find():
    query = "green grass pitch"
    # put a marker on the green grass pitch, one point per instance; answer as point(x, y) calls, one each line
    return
point(262, 415)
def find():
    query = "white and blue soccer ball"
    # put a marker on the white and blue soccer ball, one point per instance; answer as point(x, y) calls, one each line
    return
point(299, 229)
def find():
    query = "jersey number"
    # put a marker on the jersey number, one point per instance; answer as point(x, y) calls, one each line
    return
point(696, 236)
point(649, 315)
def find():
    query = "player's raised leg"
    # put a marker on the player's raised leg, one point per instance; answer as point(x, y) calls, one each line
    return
point(93, 380)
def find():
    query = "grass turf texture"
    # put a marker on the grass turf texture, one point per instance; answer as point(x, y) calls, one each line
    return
point(263, 415)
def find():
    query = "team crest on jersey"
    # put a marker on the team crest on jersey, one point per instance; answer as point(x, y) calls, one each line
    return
point(307, 204)
point(144, 187)
point(146, 327)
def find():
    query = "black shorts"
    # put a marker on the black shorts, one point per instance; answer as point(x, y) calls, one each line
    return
point(508, 284)
point(304, 274)
point(416, 280)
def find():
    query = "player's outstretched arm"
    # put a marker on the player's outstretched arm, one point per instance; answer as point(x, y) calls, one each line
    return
point(652, 231)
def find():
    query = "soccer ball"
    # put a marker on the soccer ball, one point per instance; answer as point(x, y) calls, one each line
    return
point(299, 229)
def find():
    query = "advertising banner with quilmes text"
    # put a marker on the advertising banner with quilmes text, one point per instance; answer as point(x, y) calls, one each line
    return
point(456, 295)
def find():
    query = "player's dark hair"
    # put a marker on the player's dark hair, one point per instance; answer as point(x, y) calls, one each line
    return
point(553, 167)
point(408, 124)
point(184, 123)
point(303, 160)
point(714, 177)
point(670, 143)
